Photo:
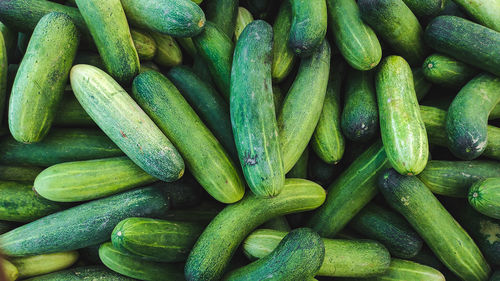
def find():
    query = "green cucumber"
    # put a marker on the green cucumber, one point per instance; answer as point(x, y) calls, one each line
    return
point(202, 213)
point(91, 179)
point(283, 56)
point(454, 178)
point(288, 260)
point(401, 126)
point(43, 264)
point(156, 240)
point(252, 111)
point(403, 270)
point(4, 69)
point(168, 52)
point(355, 39)
point(218, 242)
point(484, 196)
point(458, 38)
point(223, 14)
point(395, 23)
point(187, 45)
point(10, 41)
point(303, 104)
point(126, 123)
point(134, 267)
point(309, 23)
point(426, 257)
point(149, 65)
point(84, 225)
point(446, 238)
point(426, 8)
point(144, 44)
point(321, 172)
point(299, 170)
point(83, 273)
point(92, 58)
point(19, 173)
point(200, 68)
point(448, 72)
point(108, 26)
point(484, 12)
point(8, 270)
point(422, 86)
point(495, 113)
point(343, 258)
point(71, 113)
point(278, 223)
point(179, 18)
point(41, 78)
point(467, 119)
point(243, 18)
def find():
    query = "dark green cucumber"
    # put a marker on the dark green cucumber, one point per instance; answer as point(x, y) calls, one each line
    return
point(9, 271)
point(467, 119)
point(117, 114)
point(219, 241)
point(299, 170)
point(484, 196)
point(200, 68)
point(283, 56)
point(452, 9)
point(90, 254)
point(223, 14)
point(395, 23)
point(388, 228)
point(149, 65)
point(83, 225)
point(355, 39)
point(4, 69)
point(426, 257)
point(83, 273)
point(403, 270)
point(187, 45)
point(401, 126)
point(454, 178)
point(145, 45)
point(202, 213)
point(327, 140)
point(179, 18)
point(108, 26)
point(19, 173)
point(71, 113)
point(309, 23)
point(321, 172)
point(252, 111)
point(426, 8)
point(243, 18)
point(43, 264)
point(91, 179)
point(466, 41)
point(343, 258)
point(448, 72)
point(10, 41)
point(134, 267)
point(168, 52)
point(92, 58)
point(288, 260)
point(422, 86)
point(484, 12)
point(446, 238)
point(41, 78)
point(303, 104)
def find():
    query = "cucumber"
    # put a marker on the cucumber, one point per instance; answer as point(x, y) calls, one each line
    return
point(202, 213)
point(83, 273)
point(484, 196)
point(4, 68)
point(454, 178)
point(388, 228)
point(60, 145)
point(467, 119)
point(144, 44)
point(149, 65)
point(278, 98)
point(446, 238)
point(134, 267)
point(446, 71)
point(422, 86)
point(426, 257)
point(426, 8)
point(70, 113)
point(350, 192)
point(108, 26)
point(288, 260)
point(395, 23)
point(495, 113)
point(356, 41)
point(219, 241)
point(41, 78)
point(223, 14)
point(19, 173)
point(168, 52)
point(343, 258)
point(283, 56)
point(278, 223)
point(116, 113)
point(360, 113)
point(253, 116)
point(200, 68)
point(83, 225)
point(92, 58)
point(458, 37)
point(401, 126)
point(404, 270)
point(303, 104)
point(179, 18)
point(91, 179)
point(484, 12)
point(10, 41)
point(9, 271)
point(299, 170)
point(243, 18)
point(309, 23)
point(188, 46)
point(321, 172)
point(90, 254)
point(43, 264)
point(328, 141)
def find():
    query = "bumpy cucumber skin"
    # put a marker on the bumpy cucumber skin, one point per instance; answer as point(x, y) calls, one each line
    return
point(4, 67)
point(243, 18)
point(355, 39)
point(309, 23)
point(484, 12)
point(41, 78)
point(466, 41)
point(409, 271)
point(108, 26)
point(303, 104)
point(144, 44)
point(168, 52)
point(117, 114)
point(401, 126)
point(484, 196)
point(448, 72)
point(19, 173)
point(218, 242)
point(71, 114)
point(451, 244)
point(394, 22)
point(252, 111)
point(425, 8)
point(467, 119)
point(283, 57)
point(223, 13)
point(422, 86)
point(82, 273)
point(205, 157)
point(43, 264)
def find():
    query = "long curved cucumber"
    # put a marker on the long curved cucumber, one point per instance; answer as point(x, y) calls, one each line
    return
point(71, 113)
point(43, 264)
point(426, 8)
point(309, 23)
point(484, 196)
point(243, 18)
point(223, 13)
point(168, 52)
point(218, 242)
point(403, 270)
point(484, 12)
point(83, 273)
point(19, 173)
point(116, 113)
point(446, 71)
point(283, 56)
point(144, 44)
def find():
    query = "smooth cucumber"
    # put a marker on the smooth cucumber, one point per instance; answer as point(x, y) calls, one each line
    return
point(426, 8)
point(168, 52)
point(484, 196)
point(403, 270)
point(446, 71)
point(43, 264)
point(9, 271)
point(484, 12)
point(283, 56)
point(83, 273)
point(223, 14)
point(70, 113)
point(309, 23)
point(19, 173)
point(144, 44)
point(243, 18)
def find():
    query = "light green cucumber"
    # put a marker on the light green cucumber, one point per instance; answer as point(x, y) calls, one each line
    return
point(484, 12)
point(446, 71)
point(242, 20)
point(283, 57)
point(83, 273)
point(9, 271)
point(145, 45)
point(223, 14)
point(168, 52)
point(309, 23)
point(403, 270)
point(43, 264)
point(19, 173)
point(484, 196)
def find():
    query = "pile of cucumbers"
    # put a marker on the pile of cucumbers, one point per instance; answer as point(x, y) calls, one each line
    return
point(294, 140)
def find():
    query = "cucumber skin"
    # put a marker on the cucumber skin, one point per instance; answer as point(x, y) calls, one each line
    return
point(252, 111)
point(467, 119)
point(41, 78)
point(448, 72)
point(84, 225)
point(10, 272)
point(243, 18)
point(71, 114)
point(218, 242)
point(484, 12)
point(426, 8)
point(301, 109)
point(117, 114)
point(406, 146)
point(145, 45)
point(422, 86)
point(409, 271)
point(205, 157)
point(283, 57)
point(484, 196)
point(168, 52)
point(466, 41)
point(447, 239)
point(344, 18)
point(43, 264)
point(10, 41)
point(299, 170)
point(19, 173)
point(4, 67)
point(94, 272)
point(223, 13)
point(309, 24)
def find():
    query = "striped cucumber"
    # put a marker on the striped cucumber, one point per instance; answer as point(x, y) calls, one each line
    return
point(243, 18)
point(83, 273)
point(484, 12)
point(168, 52)
point(309, 23)
point(446, 71)
point(223, 14)
point(43, 264)
point(484, 196)
point(145, 45)
point(19, 173)
point(403, 270)
point(283, 56)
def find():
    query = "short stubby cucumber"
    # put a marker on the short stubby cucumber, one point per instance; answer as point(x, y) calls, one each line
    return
point(223, 13)
point(43, 264)
point(484, 196)
point(484, 12)
point(446, 71)
point(92, 272)
point(309, 23)
point(283, 56)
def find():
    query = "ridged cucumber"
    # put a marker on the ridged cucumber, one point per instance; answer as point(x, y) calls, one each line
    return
point(19, 173)
point(223, 14)
point(484, 196)
point(145, 45)
point(309, 23)
point(83, 273)
point(403, 270)
point(43, 264)
point(426, 8)
point(484, 12)
point(243, 18)
point(168, 52)
point(283, 57)
point(448, 72)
